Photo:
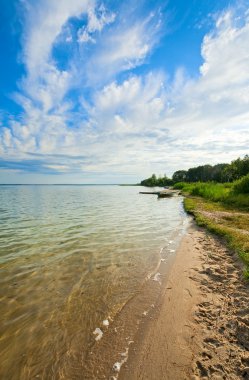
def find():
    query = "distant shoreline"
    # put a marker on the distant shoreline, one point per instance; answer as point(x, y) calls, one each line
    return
point(63, 184)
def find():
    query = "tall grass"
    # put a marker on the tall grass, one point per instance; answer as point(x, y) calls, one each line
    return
point(242, 185)
point(234, 194)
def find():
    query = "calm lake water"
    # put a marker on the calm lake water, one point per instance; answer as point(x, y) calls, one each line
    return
point(71, 257)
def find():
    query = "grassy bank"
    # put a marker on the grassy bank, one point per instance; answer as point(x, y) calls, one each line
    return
point(223, 210)
point(230, 194)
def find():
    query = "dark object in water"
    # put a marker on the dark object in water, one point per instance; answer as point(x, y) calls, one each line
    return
point(149, 192)
point(161, 194)
point(165, 195)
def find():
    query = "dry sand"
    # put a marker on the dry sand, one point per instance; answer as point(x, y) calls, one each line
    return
point(201, 327)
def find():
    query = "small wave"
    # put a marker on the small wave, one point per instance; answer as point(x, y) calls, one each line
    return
point(117, 366)
point(148, 277)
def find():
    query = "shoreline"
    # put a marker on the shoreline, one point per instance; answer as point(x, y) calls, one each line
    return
point(110, 354)
point(200, 328)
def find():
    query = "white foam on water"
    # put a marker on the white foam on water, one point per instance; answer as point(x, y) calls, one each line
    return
point(124, 355)
point(171, 241)
point(172, 250)
point(162, 260)
point(105, 322)
point(161, 249)
point(157, 277)
point(99, 333)
point(117, 366)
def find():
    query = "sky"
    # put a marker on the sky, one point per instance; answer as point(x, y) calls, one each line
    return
point(113, 91)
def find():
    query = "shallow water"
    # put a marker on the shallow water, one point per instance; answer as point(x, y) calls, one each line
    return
point(71, 257)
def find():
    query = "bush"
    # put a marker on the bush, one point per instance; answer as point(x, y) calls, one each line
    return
point(242, 185)
point(215, 192)
point(238, 200)
point(234, 194)
point(179, 185)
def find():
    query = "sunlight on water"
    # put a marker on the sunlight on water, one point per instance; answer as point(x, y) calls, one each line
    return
point(72, 256)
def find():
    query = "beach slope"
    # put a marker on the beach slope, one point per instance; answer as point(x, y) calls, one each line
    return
point(201, 327)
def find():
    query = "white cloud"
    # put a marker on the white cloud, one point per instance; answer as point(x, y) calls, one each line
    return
point(44, 23)
point(124, 47)
point(142, 124)
point(58, 168)
point(84, 36)
point(133, 106)
point(43, 89)
point(97, 20)
point(191, 121)
point(96, 23)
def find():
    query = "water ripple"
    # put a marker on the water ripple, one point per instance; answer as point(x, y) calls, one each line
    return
point(70, 256)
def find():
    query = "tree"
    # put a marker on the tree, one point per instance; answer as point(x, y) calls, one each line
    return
point(217, 172)
point(237, 169)
point(150, 182)
point(179, 176)
point(153, 181)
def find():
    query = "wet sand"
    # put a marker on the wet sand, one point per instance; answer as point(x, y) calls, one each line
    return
point(200, 329)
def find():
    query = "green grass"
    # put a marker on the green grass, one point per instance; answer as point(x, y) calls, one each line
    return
point(231, 224)
point(231, 194)
point(242, 185)
point(223, 209)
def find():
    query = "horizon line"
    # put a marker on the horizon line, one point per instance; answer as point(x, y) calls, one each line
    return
point(66, 184)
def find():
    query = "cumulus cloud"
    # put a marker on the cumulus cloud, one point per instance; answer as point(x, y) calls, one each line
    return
point(125, 47)
point(137, 125)
point(187, 121)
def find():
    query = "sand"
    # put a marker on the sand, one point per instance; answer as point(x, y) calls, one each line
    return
point(201, 328)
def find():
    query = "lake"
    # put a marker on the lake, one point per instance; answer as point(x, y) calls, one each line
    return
point(72, 257)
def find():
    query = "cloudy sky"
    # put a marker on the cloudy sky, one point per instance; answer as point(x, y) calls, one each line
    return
point(113, 91)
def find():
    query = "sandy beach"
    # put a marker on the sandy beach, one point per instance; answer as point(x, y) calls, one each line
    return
point(200, 329)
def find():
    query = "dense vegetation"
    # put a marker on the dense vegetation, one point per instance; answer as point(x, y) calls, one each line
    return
point(220, 173)
point(234, 194)
point(218, 197)
point(217, 173)
point(223, 209)
point(153, 181)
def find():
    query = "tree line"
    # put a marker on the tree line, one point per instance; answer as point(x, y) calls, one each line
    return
point(154, 181)
point(203, 173)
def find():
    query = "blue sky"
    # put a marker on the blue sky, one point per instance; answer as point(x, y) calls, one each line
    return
point(112, 91)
